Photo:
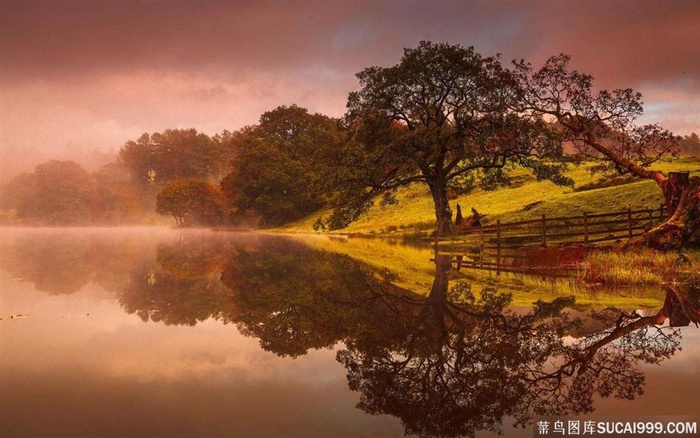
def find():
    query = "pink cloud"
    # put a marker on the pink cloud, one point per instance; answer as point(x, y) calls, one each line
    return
point(81, 74)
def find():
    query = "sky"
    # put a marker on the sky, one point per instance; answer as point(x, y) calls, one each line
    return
point(80, 78)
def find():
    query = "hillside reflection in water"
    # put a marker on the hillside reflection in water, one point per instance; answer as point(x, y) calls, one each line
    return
point(438, 362)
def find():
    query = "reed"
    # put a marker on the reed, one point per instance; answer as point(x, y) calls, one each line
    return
point(641, 266)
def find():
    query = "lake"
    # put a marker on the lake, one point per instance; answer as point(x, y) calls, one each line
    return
point(160, 332)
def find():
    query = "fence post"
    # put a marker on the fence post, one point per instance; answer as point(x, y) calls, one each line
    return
point(661, 212)
point(585, 227)
point(481, 247)
point(498, 247)
point(544, 230)
point(629, 222)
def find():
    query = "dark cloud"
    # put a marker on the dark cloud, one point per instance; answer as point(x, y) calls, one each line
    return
point(626, 42)
point(62, 39)
point(48, 39)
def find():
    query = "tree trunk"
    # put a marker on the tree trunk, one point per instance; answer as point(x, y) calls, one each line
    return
point(673, 188)
point(433, 316)
point(682, 228)
point(682, 305)
point(443, 212)
point(438, 293)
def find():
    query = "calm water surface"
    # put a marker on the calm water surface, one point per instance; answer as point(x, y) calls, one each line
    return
point(155, 332)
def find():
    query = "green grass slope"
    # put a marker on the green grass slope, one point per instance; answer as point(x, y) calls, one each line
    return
point(526, 199)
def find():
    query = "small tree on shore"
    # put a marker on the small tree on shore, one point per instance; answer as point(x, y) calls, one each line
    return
point(191, 202)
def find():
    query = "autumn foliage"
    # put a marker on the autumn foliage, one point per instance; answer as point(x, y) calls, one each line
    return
point(191, 202)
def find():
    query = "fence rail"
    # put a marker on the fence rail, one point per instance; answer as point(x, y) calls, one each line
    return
point(522, 246)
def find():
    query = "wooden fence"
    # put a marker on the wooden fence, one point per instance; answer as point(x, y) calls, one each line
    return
point(547, 244)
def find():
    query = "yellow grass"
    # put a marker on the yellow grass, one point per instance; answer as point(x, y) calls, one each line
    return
point(639, 267)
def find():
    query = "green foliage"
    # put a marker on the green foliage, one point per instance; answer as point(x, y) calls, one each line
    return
point(63, 193)
point(281, 166)
point(191, 202)
point(270, 183)
point(16, 190)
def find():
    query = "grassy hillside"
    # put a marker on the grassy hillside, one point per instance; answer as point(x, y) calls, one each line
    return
point(526, 199)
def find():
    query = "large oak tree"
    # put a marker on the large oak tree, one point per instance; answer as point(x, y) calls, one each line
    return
point(440, 117)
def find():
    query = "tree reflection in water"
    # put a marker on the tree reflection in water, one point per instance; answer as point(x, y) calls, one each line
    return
point(446, 364)
point(183, 287)
point(465, 364)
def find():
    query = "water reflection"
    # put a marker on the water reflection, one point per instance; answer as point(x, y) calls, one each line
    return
point(63, 261)
point(444, 362)
point(56, 266)
point(182, 287)
point(463, 364)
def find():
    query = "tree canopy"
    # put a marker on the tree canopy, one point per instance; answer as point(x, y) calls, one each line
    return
point(56, 193)
point(279, 166)
point(441, 116)
point(162, 158)
point(444, 116)
point(690, 144)
point(600, 126)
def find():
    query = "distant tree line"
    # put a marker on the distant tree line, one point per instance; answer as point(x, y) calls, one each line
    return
point(444, 116)
point(123, 192)
point(63, 193)
point(690, 145)
point(267, 174)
